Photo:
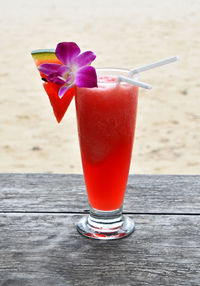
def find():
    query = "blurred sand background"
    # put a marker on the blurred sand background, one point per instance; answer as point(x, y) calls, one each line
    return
point(127, 34)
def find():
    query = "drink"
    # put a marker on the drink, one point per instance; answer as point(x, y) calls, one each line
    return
point(106, 115)
point(106, 119)
point(106, 123)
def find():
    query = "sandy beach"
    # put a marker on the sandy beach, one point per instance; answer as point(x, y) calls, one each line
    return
point(123, 34)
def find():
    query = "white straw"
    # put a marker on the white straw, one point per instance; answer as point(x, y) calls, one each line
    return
point(153, 65)
point(133, 82)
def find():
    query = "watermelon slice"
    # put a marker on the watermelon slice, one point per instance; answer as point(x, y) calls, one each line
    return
point(58, 104)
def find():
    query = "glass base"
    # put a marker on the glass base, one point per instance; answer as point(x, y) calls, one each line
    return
point(105, 225)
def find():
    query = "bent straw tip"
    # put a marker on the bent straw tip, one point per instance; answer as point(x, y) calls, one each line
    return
point(133, 82)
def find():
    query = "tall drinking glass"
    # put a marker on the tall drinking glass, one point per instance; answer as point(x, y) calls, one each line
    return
point(106, 118)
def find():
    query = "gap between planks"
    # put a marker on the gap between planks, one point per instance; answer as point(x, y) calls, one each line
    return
point(87, 212)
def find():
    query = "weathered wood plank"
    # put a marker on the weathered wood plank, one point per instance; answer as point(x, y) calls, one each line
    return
point(46, 249)
point(66, 193)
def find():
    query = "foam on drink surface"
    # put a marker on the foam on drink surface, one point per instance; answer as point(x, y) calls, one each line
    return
point(108, 81)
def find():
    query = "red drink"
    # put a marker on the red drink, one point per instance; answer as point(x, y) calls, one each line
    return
point(106, 119)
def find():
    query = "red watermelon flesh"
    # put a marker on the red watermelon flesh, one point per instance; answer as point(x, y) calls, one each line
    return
point(58, 104)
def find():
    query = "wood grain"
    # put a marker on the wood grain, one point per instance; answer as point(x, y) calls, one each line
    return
point(66, 193)
point(45, 249)
point(39, 244)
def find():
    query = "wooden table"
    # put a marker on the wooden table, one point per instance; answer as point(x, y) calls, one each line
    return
point(39, 244)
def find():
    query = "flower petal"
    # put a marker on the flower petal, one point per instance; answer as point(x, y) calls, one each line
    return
point(86, 77)
point(56, 78)
point(63, 70)
point(84, 59)
point(47, 69)
point(66, 52)
point(63, 90)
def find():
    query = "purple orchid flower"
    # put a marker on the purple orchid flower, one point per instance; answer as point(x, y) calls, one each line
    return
point(74, 70)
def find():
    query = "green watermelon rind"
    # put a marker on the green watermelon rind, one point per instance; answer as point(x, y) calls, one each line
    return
point(41, 51)
point(43, 54)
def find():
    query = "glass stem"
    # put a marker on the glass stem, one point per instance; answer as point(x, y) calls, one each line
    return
point(105, 221)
